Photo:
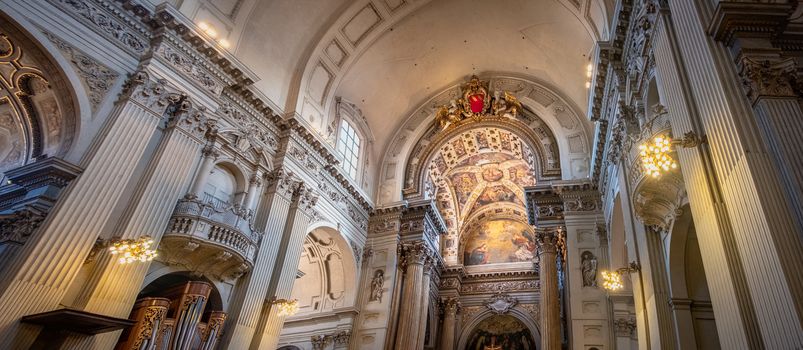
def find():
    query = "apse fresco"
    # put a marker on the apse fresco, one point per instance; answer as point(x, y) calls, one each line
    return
point(495, 177)
point(499, 241)
point(501, 332)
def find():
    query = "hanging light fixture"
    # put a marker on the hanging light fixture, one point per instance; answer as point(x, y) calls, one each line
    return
point(286, 307)
point(131, 250)
point(612, 280)
point(656, 156)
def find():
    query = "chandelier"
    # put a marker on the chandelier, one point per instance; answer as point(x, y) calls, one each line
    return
point(612, 280)
point(655, 157)
point(131, 250)
point(286, 307)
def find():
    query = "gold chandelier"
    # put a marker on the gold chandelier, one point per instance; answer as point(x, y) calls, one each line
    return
point(655, 157)
point(131, 250)
point(286, 307)
point(612, 280)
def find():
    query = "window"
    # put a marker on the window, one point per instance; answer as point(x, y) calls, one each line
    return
point(348, 146)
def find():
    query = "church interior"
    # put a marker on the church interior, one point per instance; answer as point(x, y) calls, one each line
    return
point(401, 174)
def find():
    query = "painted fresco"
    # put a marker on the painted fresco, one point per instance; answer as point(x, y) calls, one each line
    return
point(501, 332)
point(499, 241)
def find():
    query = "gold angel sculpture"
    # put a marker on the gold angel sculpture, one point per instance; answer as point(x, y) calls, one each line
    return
point(447, 117)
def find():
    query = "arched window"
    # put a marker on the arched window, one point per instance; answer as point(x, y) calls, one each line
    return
point(348, 147)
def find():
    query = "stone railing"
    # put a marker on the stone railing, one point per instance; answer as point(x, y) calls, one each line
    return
point(210, 236)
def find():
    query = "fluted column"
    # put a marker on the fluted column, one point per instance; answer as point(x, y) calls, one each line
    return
point(254, 185)
point(38, 279)
point(659, 279)
point(450, 307)
point(429, 268)
point(113, 287)
point(251, 292)
point(414, 256)
point(210, 154)
point(547, 240)
point(281, 285)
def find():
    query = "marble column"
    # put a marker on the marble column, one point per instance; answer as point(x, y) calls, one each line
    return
point(254, 185)
point(415, 256)
point(659, 280)
point(38, 279)
point(251, 290)
point(451, 306)
point(424, 317)
point(281, 283)
point(210, 154)
point(547, 240)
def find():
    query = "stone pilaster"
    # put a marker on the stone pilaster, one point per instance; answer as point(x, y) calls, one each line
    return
point(450, 307)
point(429, 270)
point(281, 283)
point(251, 292)
point(38, 279)
point(547, 240)
point(113, 287)
point(659, 280)
point(684, 323)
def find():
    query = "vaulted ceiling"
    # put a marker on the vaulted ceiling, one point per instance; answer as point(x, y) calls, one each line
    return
point(389, 56)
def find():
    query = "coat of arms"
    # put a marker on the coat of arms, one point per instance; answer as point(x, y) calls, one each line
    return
point(476, 103)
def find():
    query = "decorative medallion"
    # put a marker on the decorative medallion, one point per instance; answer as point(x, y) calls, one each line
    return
point(475, 104)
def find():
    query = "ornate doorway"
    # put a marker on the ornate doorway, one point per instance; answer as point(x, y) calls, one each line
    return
point(500, 332)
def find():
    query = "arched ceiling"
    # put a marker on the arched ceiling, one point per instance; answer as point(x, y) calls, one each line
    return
point(446, 40)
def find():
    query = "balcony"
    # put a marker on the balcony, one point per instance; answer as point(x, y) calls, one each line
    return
point(210, 236)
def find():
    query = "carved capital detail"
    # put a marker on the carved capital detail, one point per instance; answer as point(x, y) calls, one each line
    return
point(767, 79)
point(450, 305)
point(624, 327)
point(548, 239)
point(416, 253)
point(17, 227)
point(282, 181)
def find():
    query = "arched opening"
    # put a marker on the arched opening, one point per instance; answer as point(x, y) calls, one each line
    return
point(37, 109)
point(500, 332)
point(176, 311)
point(225, 186)
point(325, 286)
point(691, 299)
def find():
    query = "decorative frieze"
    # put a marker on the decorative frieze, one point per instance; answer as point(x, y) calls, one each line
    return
point(501, 286)
point(108, 21)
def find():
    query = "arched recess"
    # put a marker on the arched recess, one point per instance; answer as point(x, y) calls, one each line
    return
point(522, 316)
point(226, 171)
point(39, 108)
point(327, 278)
point(691, 299)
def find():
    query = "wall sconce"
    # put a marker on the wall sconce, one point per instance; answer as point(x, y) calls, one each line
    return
point(612, 280)
point(131, 250)
point(656, 157)
point(286, 307)
point(589, 74)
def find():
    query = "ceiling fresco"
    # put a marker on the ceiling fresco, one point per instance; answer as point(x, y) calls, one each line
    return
point(499, 241)
point(477, 173)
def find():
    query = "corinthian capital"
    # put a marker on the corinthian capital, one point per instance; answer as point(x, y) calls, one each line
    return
point(283, 182)
point(767, 79)
point(307, 198)
point(547, 239)
point(416, 253)
point(450, 305)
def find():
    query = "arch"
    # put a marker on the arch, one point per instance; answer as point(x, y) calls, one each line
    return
point(521, 315)
point(40, 112)
point(328, 278)
point(546, 113)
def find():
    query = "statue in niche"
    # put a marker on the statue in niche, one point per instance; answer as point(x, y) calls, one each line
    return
point(589, 263)
point(377, 284)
